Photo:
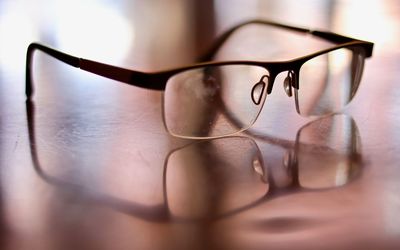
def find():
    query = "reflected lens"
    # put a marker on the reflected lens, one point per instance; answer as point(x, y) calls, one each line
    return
point(214, 101)
point(215, 177)
point(328, 153)
point(328, 82)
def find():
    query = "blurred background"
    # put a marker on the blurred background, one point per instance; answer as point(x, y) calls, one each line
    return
point(160, 35)
point(103, 183)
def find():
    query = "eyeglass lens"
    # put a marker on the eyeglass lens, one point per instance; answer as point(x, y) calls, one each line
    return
point(214, 101)
point(328, 82)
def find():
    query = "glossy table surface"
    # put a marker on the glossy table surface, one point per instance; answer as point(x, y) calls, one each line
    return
point(88, 164)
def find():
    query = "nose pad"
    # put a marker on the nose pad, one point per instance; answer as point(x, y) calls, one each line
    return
point(258, 90)
point(289, 163)
point(288, 83)
point(288, 160)
point(258, 168)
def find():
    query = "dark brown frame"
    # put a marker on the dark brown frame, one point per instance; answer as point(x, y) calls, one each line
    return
point(158, 80)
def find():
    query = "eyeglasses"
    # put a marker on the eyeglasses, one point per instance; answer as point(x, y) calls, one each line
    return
point(213, 99)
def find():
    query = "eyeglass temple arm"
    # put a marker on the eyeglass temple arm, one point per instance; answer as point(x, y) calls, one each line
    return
point(136, 78)
point(326, 35)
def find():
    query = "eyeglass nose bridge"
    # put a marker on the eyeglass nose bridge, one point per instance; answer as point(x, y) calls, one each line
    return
point(293, 79)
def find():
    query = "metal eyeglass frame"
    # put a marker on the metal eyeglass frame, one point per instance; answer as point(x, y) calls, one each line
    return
point(158, 80)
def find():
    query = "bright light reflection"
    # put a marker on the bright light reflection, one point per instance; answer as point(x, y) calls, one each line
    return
point(370, 20)
point(17, 31)
point(94, 30)
point(342, 173)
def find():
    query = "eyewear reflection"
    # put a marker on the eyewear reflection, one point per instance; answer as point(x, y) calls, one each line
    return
point(219, 178)
point(213, 99)
point(241, 175)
